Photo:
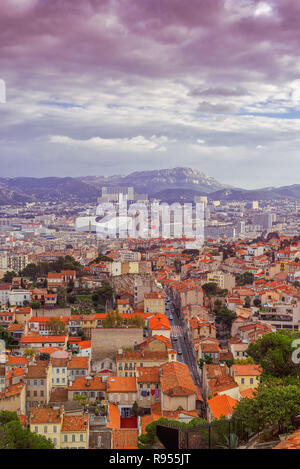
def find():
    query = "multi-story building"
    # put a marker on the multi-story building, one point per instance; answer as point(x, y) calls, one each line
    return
point(59, 372)
point(78, 366)
point(65, 431)
point(17, 262)
point(222, 279)
point(129, 360)
point(246, 376)
point(38, 384)
point(154, 303)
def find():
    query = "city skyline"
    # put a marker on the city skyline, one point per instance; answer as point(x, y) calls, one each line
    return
point(107, 87)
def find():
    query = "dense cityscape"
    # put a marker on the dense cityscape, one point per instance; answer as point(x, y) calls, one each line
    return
point(149, 228)
point(108, 337)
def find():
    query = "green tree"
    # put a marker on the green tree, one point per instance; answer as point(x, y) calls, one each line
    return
point(247, 302)
point(136, 321)
point(14, 436)
point(272, 405)
point(9, 341)
point(257, 302)
point(28, 352)
point(81, 398)
point(244, 361)
point(177, 265)
point(31, 271)
point(210, 289)
point(70, 286)
point(44, 357)
point(56, 326)
point(223, 315)
point(113, 319)
point(274, 352)
point(8, 276)
point(35, 304)
point(247, 278)
point(134, 409)
point(207, 359)
point(61, 297)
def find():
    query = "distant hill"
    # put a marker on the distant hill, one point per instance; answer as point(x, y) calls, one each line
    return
point(168, 185)
point(46, 189)
point(154, 181)
point(270, 193)
point(177, 195)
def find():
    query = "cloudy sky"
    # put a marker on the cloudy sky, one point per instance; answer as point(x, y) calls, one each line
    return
point(113, 86)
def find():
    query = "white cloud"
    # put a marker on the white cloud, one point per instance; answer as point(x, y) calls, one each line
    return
point(263, 9)
point(138, 143)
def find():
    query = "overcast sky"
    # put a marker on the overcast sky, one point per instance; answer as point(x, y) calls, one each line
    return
point(101, 87)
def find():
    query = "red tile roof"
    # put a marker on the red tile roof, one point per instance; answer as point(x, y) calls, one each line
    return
point(222, 405)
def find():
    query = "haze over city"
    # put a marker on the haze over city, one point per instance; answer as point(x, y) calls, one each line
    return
point(109, 87)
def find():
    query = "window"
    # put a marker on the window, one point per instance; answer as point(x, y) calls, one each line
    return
point(251, 380)
point(55, 441)
point(54, 429)
point(36, 429)
point(65, 438)
point(45, 429)
point(81, 437)
point(73, 438)
point(242, 380)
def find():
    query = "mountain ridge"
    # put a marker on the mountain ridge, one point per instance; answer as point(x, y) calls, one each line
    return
point(169, 185)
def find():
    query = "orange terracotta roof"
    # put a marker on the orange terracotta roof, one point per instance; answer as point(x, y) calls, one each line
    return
point(37, 371)
point(78, 363)
point(222, 383)
point(114, 416)
point(291, 442)
point(159, 322)
point(45, 416)
point(152, 355)
point(248, 393)
point(222, 405)
point(13, 361)
point(43, 339)
point(75, 423)
point(121, 384)
point(12, 390)
point(125, 438)
point(246, 370)
point(80, 383)
point(148, 374)
point(176, 380)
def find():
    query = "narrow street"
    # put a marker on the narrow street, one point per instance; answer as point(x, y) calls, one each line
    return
point(181, 342)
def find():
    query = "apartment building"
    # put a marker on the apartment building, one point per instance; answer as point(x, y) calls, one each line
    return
point(154, 303)
point(38, 384)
